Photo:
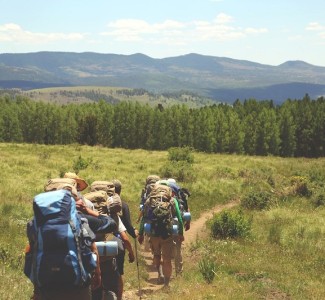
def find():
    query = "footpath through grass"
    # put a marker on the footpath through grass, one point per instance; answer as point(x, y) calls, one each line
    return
point(282, 257)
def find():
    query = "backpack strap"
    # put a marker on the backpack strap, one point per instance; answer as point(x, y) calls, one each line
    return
point(35, 247)
point(82, 273)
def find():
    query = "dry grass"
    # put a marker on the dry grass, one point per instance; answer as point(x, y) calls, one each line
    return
point(283, 259)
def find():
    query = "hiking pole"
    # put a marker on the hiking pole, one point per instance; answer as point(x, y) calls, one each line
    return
point(137, 262)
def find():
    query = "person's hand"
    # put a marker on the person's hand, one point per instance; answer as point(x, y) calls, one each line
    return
point(131, 257)
point(96, 280)
point(140, 239)
point(187, 226)
point(136, 232)
point(81, 205)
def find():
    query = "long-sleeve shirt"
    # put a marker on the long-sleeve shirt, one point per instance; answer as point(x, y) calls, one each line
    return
point(126, 219)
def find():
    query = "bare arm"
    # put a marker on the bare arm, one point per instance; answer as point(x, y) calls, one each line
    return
point(127, 245)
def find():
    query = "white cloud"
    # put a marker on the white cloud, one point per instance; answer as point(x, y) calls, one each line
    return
point(14, 33)
point(175, 32)
point(315, 26)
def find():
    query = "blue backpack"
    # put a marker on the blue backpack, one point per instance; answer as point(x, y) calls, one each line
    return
point(60, 253)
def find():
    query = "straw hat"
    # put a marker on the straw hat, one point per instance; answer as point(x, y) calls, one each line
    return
point(81, 183)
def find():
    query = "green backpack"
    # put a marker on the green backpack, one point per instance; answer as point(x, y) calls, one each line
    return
point(158, 212)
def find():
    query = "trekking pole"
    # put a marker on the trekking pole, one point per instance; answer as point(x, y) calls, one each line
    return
point(137, 262)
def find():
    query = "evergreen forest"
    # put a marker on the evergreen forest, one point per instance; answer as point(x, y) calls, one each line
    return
point(296, 128)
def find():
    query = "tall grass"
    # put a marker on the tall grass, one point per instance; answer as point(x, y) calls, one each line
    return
point(283, 257)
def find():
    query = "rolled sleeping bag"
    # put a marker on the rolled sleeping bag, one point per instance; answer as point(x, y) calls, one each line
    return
point(175, 229)
point(107, 248)
point(187, 216)
point(147, 228)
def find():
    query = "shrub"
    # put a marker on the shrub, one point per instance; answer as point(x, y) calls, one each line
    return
point(208, 269)
point(176, 154)
point(81, 164)
point(258, 200)
point(300, 186)
point(230, 224)
point(181, 171)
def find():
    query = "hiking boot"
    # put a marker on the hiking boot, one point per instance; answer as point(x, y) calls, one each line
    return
point(160, 280)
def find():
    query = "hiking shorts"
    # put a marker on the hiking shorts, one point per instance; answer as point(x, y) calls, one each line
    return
point(163, 247)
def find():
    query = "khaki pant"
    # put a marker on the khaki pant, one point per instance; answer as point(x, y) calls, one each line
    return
point(178, 256)
point(165, 248)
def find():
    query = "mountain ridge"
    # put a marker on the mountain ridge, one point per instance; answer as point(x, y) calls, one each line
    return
point(212, 76)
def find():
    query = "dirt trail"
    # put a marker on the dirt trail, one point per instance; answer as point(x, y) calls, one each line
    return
point(150, 285)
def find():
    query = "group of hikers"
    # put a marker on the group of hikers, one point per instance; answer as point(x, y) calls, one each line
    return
point(78, 241)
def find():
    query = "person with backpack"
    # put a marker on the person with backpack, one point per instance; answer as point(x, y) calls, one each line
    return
point(108, 202)
point(181, 197)
point(81, 186)
point(158, 213)
point(126, 220)
point(62, 258)
point(149, 183)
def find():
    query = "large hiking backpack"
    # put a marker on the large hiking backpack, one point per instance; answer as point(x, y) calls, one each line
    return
point(106, 186)
point(150, 182)
point(99, 200)
point(158, 211)
point(106, 205)
point(60, 247)
point(184, 194)
point(57, 183)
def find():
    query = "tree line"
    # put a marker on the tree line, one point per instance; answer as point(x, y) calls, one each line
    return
point(293, 129)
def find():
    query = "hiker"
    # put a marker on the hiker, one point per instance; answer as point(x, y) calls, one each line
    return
point(85, 207)
point(149, 183)
point(112, 268)
point(126, 220)
point(176, 193)
point(60, 265)
point(158, 213)
point(81, 185)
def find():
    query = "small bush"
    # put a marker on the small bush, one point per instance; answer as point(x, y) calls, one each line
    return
point(257, 200)
point(208, 269)
point(176, 154)
point(181, 171)
point(300, 186)
point(230, 224)
point(81, 164)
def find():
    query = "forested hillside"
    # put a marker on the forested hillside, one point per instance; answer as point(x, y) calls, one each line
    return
point(220, 78)
point(296, 128)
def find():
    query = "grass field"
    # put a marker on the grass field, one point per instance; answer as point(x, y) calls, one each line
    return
point(282, 258)
point(84, 94)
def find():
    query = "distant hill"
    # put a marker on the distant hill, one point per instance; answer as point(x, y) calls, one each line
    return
point(222, 79)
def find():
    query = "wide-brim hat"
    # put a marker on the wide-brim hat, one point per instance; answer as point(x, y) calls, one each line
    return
point(82, 184)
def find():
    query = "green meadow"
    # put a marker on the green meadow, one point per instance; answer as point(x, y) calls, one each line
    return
point(281, 212)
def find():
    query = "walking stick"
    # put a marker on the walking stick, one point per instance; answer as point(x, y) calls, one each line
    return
point(137, 262)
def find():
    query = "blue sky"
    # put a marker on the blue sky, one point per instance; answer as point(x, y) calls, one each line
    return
point(267, 32)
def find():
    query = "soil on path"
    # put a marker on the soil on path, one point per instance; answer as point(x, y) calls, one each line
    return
point(150, 285)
